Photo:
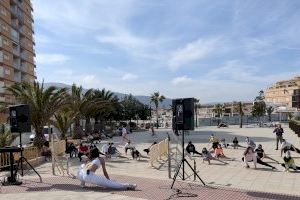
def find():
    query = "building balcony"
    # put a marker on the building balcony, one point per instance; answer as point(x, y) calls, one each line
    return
point(22, 30)
point(14, 23)
point(24, 56)
point(18, 79)
point(17, 65)
point(14, 11)
point(16, 51)
point(2, 98)
point(15, 38)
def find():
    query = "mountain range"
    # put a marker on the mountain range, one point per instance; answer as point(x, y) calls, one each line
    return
point(143, 99)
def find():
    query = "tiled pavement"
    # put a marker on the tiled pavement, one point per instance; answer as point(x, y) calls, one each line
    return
point(147, 189)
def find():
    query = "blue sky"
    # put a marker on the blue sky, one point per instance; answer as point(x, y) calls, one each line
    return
point(212, 50)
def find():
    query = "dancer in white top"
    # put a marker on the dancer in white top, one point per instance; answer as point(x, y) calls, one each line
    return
point(86, 174)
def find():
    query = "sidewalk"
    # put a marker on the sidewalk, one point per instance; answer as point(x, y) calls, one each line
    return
point(152, 189)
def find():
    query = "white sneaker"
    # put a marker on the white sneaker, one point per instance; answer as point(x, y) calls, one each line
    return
point(131, 186)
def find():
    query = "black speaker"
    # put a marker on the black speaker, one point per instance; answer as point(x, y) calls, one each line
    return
point(183, 114)
point(20, 121)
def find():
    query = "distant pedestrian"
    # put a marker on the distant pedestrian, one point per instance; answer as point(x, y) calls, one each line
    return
point(279, 131)
point(152, 131)
point(124, 134)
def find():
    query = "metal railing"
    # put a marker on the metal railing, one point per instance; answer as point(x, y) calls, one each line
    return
point(29, 153)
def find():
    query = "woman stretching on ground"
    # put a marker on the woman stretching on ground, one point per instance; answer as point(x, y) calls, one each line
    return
point(86, 174)
point(289, 162)
point(208, 157)
point(250, 156)
point(235, 143)
point(261, 154)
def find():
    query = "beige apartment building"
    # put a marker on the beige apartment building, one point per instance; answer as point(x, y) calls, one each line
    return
point(16, 45)
point(285, 93)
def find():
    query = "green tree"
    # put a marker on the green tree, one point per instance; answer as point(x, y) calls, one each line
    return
point(240, 107)
point(156, 98)
point(106, 111)
point(130, 106)
point(218, 110)
point(43, 104)
point(62, 121)
point(259, 107)
point(270, 110)
point(83, 104)
point(6, 137)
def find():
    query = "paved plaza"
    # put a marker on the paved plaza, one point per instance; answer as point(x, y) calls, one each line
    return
point(225, 181)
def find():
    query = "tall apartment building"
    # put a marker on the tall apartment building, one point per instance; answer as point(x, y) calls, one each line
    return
point(285, 93)
point(16, 45)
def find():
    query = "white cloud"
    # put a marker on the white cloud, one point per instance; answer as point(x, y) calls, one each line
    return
point(51, 58)
point(181, 80)
point(193, 51)
point(129, 76)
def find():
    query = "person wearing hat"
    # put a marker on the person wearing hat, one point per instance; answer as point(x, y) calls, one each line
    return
point(278, 131)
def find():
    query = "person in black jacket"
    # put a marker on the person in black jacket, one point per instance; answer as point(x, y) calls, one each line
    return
point(190, 148)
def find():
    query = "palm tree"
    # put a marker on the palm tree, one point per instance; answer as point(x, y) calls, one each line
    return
point(218, 109)
point(62, 122)
point(103, 112)
point(196, 105)
point(84, 104)
point(6, 137)
point(43, 103)
point(156, 98)
point(79, 102)
point(240, 107)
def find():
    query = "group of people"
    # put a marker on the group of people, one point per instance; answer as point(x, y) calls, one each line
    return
point(253, 153)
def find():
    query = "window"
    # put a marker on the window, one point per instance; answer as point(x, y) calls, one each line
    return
point(4, 27)
point(5, 42)
point(1, 71)
point(7, 71)
point(3, 12)
point(6, 57)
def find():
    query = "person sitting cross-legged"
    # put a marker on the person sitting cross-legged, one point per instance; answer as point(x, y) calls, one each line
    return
point(208, 157)
point(190, 148)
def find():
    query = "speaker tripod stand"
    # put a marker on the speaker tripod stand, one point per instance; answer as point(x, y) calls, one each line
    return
point(181, 164)
point(20, 163)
